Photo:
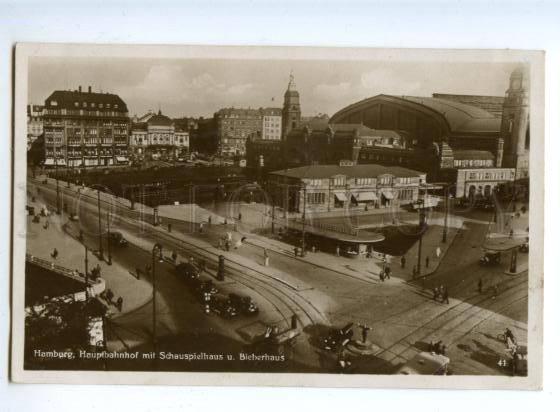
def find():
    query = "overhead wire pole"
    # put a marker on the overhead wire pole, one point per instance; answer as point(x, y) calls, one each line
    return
point(56, 177)
point(303, 220)
point(100, 230)
point(421, 223)
point(109, 257)
point(446, 215)
point(157, 248)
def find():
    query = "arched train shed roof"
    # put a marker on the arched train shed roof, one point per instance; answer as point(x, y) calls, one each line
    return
point(458, 117)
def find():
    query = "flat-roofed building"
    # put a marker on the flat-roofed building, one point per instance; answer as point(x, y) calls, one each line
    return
point(330, 187)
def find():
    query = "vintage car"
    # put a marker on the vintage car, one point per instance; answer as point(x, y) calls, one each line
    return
point(187, 270)
point(117, 239)
point(490, 258)
point(222, 305)
point(338, 338)
point(243, 304)
point(426, 363)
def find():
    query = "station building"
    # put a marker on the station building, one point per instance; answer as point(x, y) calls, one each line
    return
point(325, 188)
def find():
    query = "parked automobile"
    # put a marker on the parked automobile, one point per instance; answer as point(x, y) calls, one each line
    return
point(426, 363)
point(490, 259)
point(221, 305)
point(200, 287)
point(117, 239)
point(338, 338)
point(243, 304)
point(187, 270)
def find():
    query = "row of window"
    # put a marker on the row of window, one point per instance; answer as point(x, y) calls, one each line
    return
point(473, 163)
point(501, 175)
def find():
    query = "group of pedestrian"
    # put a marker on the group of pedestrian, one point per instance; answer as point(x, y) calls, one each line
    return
point(96, 272)
point(441, 293)
point(438, 348)
point(385, 273)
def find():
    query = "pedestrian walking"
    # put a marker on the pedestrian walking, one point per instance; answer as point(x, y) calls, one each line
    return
point(414, 272)
point(436, 292)
point(480, 285)
point(438, 252)
point(54, 253)
point(209, 219)
point(174, 256)
point(295, 251)
point(266, 258)
point(119, 303)
point(240, 216)
point(427, 261)
point(110, 295)
point(313, 249)
point(387, 272)
point(200, 227)
point(403, 261)
point(445, 296)
point(46, 225)
point(337, 250)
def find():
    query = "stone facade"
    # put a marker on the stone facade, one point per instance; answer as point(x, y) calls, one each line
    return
point(85, 129)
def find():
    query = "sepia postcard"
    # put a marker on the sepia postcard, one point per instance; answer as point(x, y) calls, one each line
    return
point(283, 216)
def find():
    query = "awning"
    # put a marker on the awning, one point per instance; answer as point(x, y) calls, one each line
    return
point(121, 159)
point(341, 197)
point(387, 194)
point(365, 196)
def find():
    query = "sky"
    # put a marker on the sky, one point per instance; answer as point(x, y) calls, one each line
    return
point(200, 87)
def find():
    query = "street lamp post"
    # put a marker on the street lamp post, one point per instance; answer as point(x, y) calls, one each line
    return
point(421, 223)
point(86, 271)
point(56, 176)
point(109, 257)
point(159, 250)
point(100, 231)
point(446, 215)
point(303, 220)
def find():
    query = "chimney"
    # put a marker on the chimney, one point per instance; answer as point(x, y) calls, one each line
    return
point(80, 89)
point(89, 89)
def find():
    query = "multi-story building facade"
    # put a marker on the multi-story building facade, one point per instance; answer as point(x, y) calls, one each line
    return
point(85, 129)
point(234, 126)
point(34, 123)
point(481, 182)
point(271, 123)
point(157, 136)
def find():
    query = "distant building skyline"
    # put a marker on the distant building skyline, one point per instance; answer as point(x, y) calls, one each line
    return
point(199, 87)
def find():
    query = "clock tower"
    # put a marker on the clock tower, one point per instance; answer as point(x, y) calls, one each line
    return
point(291, 112)
point(515, 123)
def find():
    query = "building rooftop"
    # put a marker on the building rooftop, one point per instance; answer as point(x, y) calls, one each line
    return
point(75, 100)
point(472, 155)
point(459, 116)
point(492, 104)
point(363, 170)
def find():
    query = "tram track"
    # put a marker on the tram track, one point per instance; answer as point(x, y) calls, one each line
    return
point(304, 309)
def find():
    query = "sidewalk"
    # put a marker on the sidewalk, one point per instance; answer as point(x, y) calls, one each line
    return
point(365, 269)
point(41, 242)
